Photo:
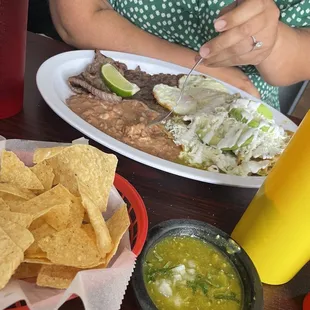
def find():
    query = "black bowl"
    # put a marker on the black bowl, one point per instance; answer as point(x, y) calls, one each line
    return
point(252, 287)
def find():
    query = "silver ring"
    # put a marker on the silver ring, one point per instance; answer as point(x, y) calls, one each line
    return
point(256, 44)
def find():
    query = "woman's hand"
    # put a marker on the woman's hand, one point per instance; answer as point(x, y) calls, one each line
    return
point(235, 45)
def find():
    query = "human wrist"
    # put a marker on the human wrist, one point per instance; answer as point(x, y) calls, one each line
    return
point(276, 53)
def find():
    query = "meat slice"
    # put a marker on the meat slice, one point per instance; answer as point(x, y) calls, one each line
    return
point(146, 82)
point(92, 74)
point(79, 85)
point(90, 81)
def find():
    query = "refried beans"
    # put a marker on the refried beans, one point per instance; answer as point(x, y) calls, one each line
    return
point(126, 121)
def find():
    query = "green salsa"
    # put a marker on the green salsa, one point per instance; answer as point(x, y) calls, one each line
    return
point(187, 273)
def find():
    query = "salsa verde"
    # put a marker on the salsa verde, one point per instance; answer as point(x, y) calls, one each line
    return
point(185, 273)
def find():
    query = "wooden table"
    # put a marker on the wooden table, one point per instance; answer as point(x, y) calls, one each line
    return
point(166, 196)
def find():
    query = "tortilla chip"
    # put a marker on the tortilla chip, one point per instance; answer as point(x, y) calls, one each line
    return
point(88, 165)
point(14, 171)
point(11, 200)
point(12, 189)
point(10, 258)
point(26, 270)
point(3, 205)
point(104, 241)
point(86, 218)
point(45, 174)
point(77, 212)
point(43, 203)
point(42, 154)
point(70, 247)
point(56, 276)
point(37, 223)
point(34, 251)
point(35, 255)
point(90, 232)
point(22, 219)
point(118, 224)
point(58, 216)
point(102, 265)
point(37, 260)
point(21, 236)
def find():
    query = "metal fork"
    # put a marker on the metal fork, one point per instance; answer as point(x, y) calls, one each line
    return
point(162, 118)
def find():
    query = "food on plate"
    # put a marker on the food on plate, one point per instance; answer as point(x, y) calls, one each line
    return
point(199, 92)
point(91, 82)
point(42, 228)
point(213, 138)
point(202, 82)
point(117, 83)
point(177, 276)
point(126, 122)
point(210, 129)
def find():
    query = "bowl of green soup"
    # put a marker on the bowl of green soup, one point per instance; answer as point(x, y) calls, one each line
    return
point(188, 264)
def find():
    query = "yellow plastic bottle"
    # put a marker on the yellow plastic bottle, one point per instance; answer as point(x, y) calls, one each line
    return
point(275, 228)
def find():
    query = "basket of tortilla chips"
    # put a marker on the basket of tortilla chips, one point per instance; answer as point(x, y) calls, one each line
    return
point(58, 217)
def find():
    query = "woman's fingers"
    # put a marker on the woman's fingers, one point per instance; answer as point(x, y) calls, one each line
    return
point(228, 8)
point(241, 60)
point(240, 30)
point(241, 14)
point(241, 48)
point(233, 36)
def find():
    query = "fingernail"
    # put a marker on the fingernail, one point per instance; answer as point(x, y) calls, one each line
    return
point(220, 24)
point(197, 57)
point(204, 52)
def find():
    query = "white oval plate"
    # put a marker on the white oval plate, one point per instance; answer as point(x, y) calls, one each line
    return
point(52, 83)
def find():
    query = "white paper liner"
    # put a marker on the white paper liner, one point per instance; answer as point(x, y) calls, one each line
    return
point(98, 288)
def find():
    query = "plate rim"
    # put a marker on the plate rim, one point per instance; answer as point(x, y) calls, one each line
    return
point(45, 76)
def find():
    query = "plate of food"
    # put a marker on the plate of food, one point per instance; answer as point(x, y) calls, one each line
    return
point(217, 133)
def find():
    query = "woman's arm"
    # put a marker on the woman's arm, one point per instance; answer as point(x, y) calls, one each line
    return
point(289, 61)
point(92, 24)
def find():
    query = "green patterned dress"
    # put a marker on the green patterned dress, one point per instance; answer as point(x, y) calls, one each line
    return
point(190, 23)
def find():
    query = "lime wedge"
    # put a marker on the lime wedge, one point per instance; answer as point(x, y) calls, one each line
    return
point(117, 83)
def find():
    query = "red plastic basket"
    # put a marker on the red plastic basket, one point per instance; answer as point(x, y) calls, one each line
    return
point(138, 220)
point(137, 212)
point(306, 302)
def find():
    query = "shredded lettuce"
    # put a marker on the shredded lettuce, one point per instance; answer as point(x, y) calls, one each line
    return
point(234, 138)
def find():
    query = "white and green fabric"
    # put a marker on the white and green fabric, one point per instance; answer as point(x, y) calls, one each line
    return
point(190, 23)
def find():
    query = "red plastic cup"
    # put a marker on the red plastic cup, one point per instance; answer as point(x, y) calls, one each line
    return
point(13, 31)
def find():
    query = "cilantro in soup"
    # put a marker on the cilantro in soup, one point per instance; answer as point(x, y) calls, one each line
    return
point(187, 273)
